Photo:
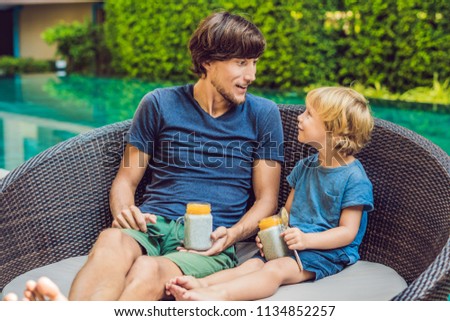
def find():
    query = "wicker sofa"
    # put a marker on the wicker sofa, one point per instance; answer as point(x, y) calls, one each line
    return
point(54, 206)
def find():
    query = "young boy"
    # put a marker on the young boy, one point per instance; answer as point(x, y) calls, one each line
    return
point(328, 204)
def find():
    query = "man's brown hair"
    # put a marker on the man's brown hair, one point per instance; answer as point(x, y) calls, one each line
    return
point(222, 36)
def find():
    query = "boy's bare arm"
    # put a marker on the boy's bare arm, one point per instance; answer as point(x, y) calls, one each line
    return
point(333, 238)
point(290, 199)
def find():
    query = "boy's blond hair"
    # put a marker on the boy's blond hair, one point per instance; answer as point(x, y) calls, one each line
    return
point(346, 114)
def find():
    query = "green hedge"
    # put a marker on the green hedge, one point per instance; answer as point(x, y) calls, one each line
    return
point(298, 50)
point(148, 39)
point(398, 43)
point(11, 65)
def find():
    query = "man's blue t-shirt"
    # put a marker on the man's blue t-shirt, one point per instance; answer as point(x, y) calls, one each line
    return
point(321, 193)
point(198, 158)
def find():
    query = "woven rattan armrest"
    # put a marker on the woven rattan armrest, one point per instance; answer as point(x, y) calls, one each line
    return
point(54, 205)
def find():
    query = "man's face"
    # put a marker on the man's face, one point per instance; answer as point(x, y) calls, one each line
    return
point(231, 78)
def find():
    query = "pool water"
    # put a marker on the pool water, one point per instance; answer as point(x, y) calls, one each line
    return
point(39, 111)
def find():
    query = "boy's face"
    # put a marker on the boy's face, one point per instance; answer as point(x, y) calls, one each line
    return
point(311, 128)
point(230, 78)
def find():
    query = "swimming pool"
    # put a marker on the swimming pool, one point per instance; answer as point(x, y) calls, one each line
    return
point(39, 111)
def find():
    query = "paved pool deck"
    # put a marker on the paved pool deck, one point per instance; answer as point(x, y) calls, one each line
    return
point(3, 172)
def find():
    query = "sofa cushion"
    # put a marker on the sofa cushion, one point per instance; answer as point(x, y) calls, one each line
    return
point(361, 281)
point(62, 273)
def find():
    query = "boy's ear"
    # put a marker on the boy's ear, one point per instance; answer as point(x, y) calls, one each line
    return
point(336, 141)
point(340, 141)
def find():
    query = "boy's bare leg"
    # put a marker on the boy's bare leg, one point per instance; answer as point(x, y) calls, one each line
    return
point(103, 275)
point(147, 278)
point(256, 285)
point(189, 282)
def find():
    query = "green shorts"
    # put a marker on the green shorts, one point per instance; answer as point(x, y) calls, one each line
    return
point(190, 263)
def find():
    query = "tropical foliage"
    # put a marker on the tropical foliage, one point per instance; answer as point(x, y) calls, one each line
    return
point(386, 46)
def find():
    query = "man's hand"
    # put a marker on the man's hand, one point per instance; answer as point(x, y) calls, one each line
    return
point(133, 218)
point(295, 239)
point(220, 238)
point(259, 245)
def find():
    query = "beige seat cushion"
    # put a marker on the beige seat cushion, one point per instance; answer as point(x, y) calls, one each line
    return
point(361, 281)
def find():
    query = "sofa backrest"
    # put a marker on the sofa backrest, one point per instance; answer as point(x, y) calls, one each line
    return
point(54, 206)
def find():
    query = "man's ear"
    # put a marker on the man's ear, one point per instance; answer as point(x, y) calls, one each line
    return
point(207, 65)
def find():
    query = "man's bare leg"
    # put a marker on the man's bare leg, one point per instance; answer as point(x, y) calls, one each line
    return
point(189, 282)
point(101, 278)
point(147, 278)
point(103, 275)
point(257, 285)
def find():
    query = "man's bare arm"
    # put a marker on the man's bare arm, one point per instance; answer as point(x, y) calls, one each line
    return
point(266, 184)
point(121, 198)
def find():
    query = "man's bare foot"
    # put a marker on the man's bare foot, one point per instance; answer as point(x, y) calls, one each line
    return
point(11, 297)
point(42, 290)
point(187, 282)
point(198, 294)
point(28, 293)
point(48, 290)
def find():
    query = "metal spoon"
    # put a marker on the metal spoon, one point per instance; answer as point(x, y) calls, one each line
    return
point(285, 221)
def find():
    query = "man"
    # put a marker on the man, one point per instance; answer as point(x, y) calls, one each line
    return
point(209, 142)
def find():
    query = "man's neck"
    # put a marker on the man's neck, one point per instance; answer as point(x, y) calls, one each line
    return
point(209, 99)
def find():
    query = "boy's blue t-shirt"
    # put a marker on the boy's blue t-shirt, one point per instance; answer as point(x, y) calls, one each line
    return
point(198, 158)
point(321, 194)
